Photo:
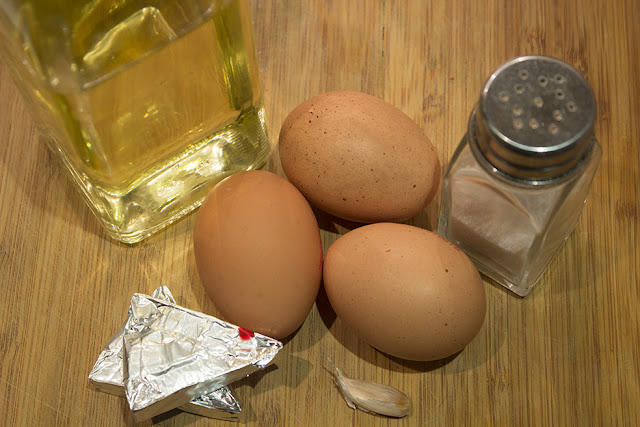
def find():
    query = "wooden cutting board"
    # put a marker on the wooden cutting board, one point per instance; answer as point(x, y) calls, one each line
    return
point(568, 354)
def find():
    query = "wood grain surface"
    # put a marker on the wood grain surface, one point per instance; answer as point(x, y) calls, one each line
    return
point(568, 354)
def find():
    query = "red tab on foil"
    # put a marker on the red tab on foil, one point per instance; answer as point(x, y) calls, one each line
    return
point(245, 334)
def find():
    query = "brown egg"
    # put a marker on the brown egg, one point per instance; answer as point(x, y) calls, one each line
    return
point(359, 158)
point(258, 252)
point(405, 290)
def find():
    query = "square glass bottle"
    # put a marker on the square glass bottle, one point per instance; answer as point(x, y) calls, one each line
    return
point(146, 104)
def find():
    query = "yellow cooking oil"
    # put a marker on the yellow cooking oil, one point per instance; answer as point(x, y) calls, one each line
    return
point(148, 103)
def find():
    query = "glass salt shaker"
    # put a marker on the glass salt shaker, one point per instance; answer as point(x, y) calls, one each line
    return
point(516, 184)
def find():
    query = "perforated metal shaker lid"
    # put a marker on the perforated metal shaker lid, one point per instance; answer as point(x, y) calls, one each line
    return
point(535, 118)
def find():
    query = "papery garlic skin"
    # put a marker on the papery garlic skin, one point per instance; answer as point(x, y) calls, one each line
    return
point(372, 397)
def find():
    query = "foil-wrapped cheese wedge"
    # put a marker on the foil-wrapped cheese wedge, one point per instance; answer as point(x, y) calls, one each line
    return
point(107, 375)
point(173, 355)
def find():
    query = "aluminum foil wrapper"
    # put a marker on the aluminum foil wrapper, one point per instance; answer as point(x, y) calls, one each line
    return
point(173, 355)
point(107, 376)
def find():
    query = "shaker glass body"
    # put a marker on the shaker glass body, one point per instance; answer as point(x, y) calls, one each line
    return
point(516, 184)
point(147, 105)
point(510, 230)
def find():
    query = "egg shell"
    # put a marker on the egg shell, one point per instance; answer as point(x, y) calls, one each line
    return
point(405, 290)
point(258, 252)
point(358, 157)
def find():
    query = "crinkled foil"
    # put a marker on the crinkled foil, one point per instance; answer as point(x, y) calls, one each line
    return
point(173, 354)
point(106, 376)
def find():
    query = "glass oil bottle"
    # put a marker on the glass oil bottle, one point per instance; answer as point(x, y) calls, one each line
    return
point(147, 104)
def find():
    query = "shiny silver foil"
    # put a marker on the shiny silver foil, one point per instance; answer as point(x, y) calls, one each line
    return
point(173, 355)
point(106, 376)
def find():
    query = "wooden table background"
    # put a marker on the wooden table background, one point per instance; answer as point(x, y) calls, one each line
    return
point(568, 354)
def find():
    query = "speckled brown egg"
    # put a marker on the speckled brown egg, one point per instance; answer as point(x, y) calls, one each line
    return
point(258, 252)
point(358, 157)
point(405, 290)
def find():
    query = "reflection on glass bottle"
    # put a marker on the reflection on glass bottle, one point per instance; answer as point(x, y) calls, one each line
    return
point(147, 106)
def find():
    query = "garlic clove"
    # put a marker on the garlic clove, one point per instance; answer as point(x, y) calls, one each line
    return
point(372, 397)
